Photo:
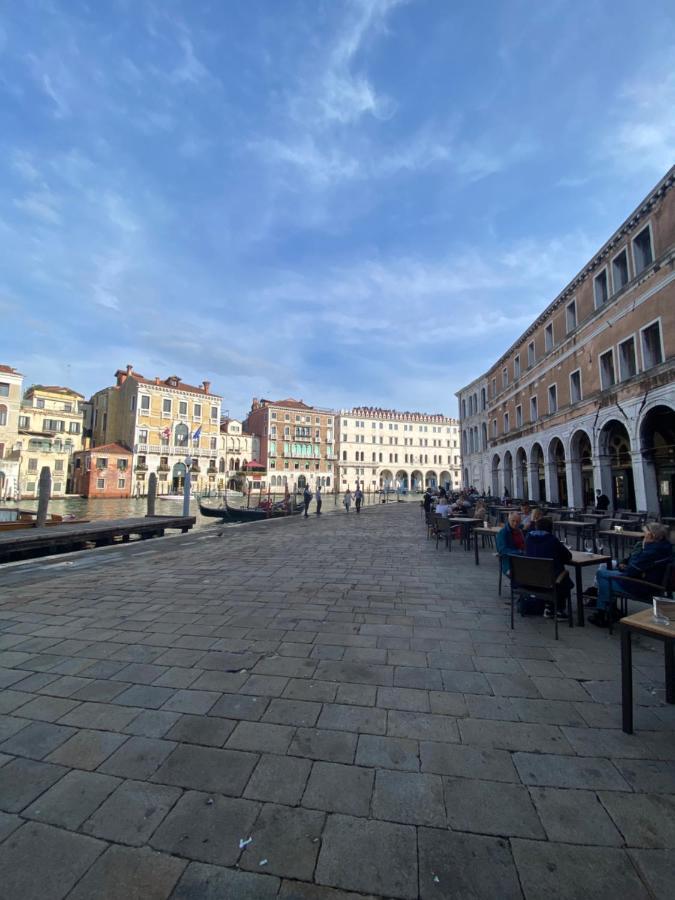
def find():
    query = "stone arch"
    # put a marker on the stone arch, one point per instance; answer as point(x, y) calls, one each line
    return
point(616, 464)
point(496, 461)
point(558, 472)
point(386, 479)
point(522, 485)
point(431, 479)
point(656, 431)
point(508, 473)
point(416, 480)
point(537, 472)
point(402, 480)
point(445, 480)
point(581, 464)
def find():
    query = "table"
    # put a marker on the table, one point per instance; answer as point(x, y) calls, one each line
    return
point(491, 530)
point(579, 527)
point(597, 516)
point(643, 623)
point(613, 538)
point(465, 522)
point(580, 561)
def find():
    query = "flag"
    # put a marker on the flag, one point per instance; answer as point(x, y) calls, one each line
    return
point(197, 434)
point(166, 433)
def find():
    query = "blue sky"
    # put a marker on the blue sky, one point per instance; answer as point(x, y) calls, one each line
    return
point(345, 201)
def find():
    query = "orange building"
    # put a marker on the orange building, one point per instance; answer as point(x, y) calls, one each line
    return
point(102, 472)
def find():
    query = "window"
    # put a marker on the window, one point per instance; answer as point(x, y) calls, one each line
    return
point(32, 465)
point(121, 482)
point(552, 398)
point(600, 288)
point(643, 254)
point(39, 403)
point(519, 416)
point(607, 378)
point(534, 412)
point(571, 316)
point(74, 428)
point(122, 464)
point(145, 403)
point(166, 406)
point(273, 415)
point(627, 359)
point(620, 271)
point(548, 336)
point(53, 425)
point(100, 483)
point(198, 410)
point(531, 356)
point(494, 428)
point(67, 407)
point(58, 465)
point(3, 415)
point(483, 400)
point(505, 377)
point(213, 443)
point(142, 435)
point(494, 387)
point(102, 462)
point(516, 367)
point(575, 386)
point(182, 408)
point(24, 422)
point(214, 413)
point(4, 389)
point(506, 423)
point(652, 348)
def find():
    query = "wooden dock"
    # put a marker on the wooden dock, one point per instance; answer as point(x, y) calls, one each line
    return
point(64, 538)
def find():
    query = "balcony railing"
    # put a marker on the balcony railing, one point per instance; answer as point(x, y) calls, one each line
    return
point(176, 450)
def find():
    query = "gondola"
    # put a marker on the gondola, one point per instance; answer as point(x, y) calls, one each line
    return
point(241, 514)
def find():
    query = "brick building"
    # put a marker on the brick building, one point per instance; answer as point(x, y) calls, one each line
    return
point(103, 471)
point(585, 398)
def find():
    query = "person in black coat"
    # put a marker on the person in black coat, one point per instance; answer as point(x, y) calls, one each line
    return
point(601, 502)
point(541, 542)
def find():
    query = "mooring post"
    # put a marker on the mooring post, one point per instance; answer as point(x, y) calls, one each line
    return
point(152, 494)
point(44, 493)
point(186, 489)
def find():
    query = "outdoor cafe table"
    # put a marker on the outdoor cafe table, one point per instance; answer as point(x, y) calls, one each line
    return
point(596, 516)
point(643, 623)
point(466, 524)
point(490, 530)
point(613, 538)
point(579, 527)
point(581, 560)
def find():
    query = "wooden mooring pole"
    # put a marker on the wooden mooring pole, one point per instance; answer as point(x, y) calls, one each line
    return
point(152, 494)
point(44, 493)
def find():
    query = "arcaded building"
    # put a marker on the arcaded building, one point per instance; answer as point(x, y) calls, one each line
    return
point(585, 398)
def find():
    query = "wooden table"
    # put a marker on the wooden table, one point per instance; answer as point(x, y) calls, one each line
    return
point(581, 561)
point(596, 516)
point(466, 524)
point(579, 527)
point(491, 530)
point(643, 623)
point(614, 537)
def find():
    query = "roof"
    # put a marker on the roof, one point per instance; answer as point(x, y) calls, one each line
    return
point(167, 382)
point(9, 370)
point(379, 413)
point(54, 389)
point(109, 448)
point(289, 402)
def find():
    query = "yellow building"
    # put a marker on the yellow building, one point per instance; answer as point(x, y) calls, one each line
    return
point(10, 454)
point(164, 423)
point(50, 429)
point(236, 450)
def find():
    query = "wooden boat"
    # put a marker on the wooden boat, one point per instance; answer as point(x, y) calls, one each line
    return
point(241, 514)
point(15, 519)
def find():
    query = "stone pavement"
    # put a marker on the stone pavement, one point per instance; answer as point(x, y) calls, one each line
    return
point(318, 710)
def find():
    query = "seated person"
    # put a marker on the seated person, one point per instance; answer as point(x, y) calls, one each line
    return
point(647, 562)
point(442, 507)
point(526, 515)
point(601, 501)
point(541, 542)
point(510, 542)
point(480, 511)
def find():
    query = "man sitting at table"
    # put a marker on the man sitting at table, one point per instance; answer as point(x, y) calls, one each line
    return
point(541, 542)
point(510, 542)
point(647, 562)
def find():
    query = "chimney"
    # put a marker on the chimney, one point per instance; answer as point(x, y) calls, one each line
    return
point(254, 403)
point(156, 379)
point(207, 386)
point(130, 368)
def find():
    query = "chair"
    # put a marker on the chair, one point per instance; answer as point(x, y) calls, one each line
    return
point(622, 593)
point(537, 576)
point(443, 530)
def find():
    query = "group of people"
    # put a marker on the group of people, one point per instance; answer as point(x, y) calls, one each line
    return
point(307, 497)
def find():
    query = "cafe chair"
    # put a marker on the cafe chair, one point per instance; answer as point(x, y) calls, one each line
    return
point(533, 575)
point(644, 590)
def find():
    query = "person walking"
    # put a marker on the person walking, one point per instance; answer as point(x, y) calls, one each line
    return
point(319, 500)
point(358, 499)
point(307, 499)
point(348, 499)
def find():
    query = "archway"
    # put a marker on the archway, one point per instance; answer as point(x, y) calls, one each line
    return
point(445, 480)
point(221, 466)
point(386, 480)
point(417, 481)
point(522, 487)
point(616, 461)
point(581, 458)
point(466, 478)
point(302, 482)
point(537, 473)
point(178, 476)
point(556, 459)
point(3, 484)
point(508, 473)
point(402, 480)
point(431, 479)
point(657, 444)
point(495, 475)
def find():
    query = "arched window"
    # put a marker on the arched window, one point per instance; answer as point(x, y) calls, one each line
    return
point(3, 414)
point(236, 465)
point(243, 463)
point(232, 462)
point(181, 435)
point(221, 466)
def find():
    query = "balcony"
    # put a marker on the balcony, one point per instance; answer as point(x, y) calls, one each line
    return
point(141, 467)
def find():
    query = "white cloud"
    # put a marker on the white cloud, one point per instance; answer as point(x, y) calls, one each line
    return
point(643, 136)
point(42, 205)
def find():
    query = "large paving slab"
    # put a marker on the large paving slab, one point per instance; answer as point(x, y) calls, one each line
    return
point(319, 709)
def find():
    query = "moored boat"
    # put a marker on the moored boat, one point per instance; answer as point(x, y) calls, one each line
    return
point(15, 519)
point(230, 513)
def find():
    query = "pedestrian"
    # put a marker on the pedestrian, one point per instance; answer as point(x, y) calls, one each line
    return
point(319, 500)
point(307, 499)
point(358, 499)
point(601, 501)
point(348, 499)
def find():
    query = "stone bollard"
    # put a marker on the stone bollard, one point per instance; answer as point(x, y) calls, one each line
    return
point(152, 494)
point(44, 493)
point(186, 492)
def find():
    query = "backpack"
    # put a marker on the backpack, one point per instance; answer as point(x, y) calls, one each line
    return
point(530, 605)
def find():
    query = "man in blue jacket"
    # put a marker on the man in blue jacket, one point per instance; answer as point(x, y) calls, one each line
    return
point(541, 542)
point(510, 542)
point(647, 562)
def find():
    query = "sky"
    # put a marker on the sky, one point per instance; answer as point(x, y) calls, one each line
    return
point(343, 201)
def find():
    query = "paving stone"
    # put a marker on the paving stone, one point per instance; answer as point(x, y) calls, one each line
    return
point(47, 709)
point(152, 723)
point(575, 817)
point(410, 798)
point(657, 868)
point(444, 703)
point(8, 824)
point(466, 682)
point(219, 681)
point(339, 788)
point(145, 696)
point(645, 820)
point(99, 691)
point(360, 719)
point(301, 890)
point(518, 685)
point(648, 775)
point(491, 807)
point(264, 685)
point(318, 743)
point(421, 726)
point(467, 762)
point(354, 672)
point(207, 769)
point(403, 698)
point(287, 838)
point(306, 689)
point(37, 739)
point(39, 861)
point(177, 677)
point(387, 753)
point(139, 673)
point(382, 857)
point(11, 676)
point(459, 866)
point(289, 668)
point(560, 689)
point(261, 736)
point(192, 702)
point(10, 725)
point(514, 736)
point(132, 813)
point(72, 799)
point(279, 779)
point(551, 712)
point(497, 665)
point(102, 716)
point(124, 873)
point(613, 743)
point(138, 758)
point(234, 706)
point(569, 872)
point(357, 694)
point(417, 677)
point(66, 686)
point(86, 749)
point(210, 731)
point(11, 700)
point(203, 882)
point(568, 772)
point(207, 827)
point(292, 712)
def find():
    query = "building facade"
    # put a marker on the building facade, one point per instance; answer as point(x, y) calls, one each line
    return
point(105, 472)
point(585, 398)
point(235, 453)
point(10, 453)
point(385, 448)
point(50, 430)
point(167, 424)
point(296, 444)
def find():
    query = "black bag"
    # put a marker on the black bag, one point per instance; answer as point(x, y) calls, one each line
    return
point(530, 605)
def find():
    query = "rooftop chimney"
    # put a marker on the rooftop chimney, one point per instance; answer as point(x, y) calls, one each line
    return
point(207, 386)
point(130, 368)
